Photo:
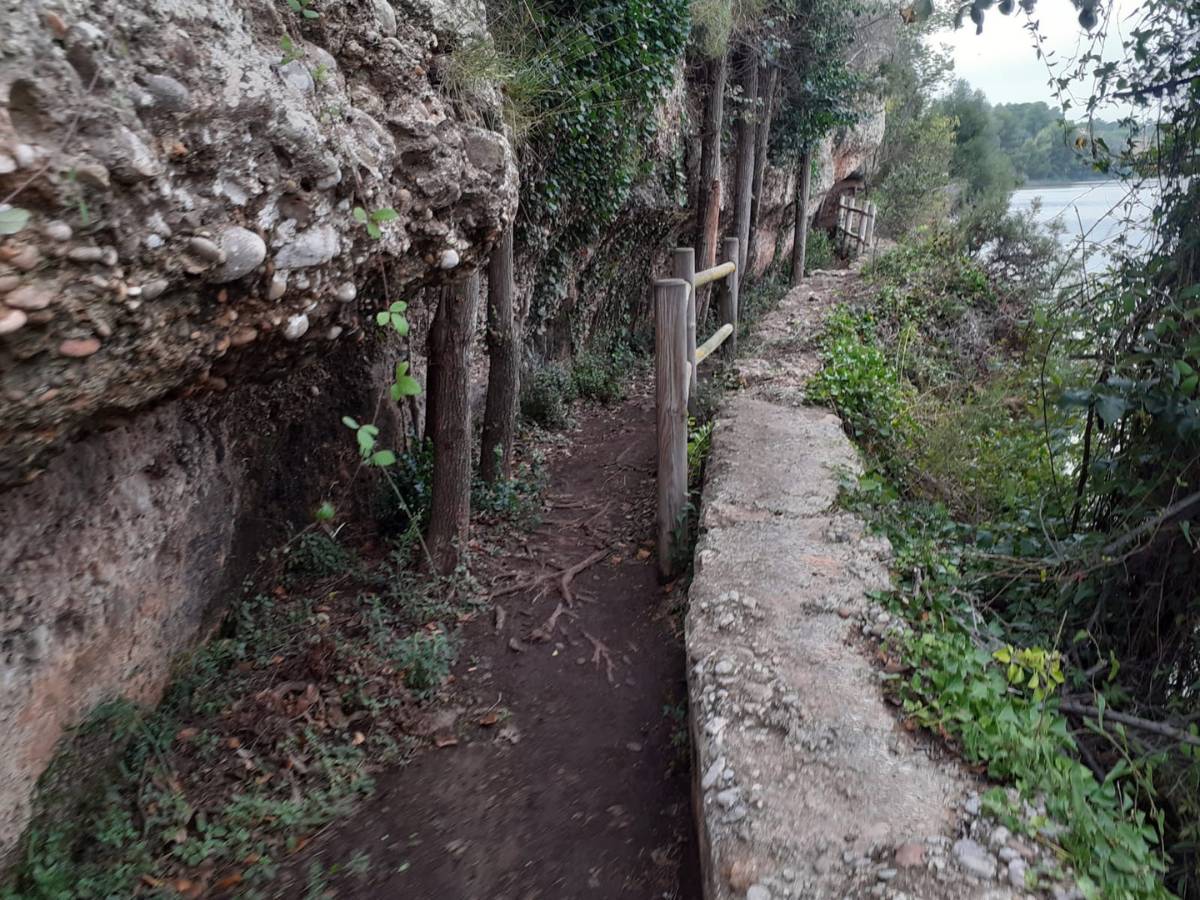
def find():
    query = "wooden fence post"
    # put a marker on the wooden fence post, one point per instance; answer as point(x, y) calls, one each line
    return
point(670, 358)
point(683, 266)
point(729, 297)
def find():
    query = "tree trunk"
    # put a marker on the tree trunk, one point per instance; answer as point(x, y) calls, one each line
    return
point(768, 80)
point(448, 420)
point(800, 240)
point(746, 138)
point(709, 201)
point(500, 413)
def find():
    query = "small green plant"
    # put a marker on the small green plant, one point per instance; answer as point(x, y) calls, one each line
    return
point(372, 220)
point(517, 499)
point(698, 448)
point(303, 8)
point(317, 554)
point(291, 51)
point(393, 317)
point(426, 658)
point(818, 251)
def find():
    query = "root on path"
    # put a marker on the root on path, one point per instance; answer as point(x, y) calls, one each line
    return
point(564, 576)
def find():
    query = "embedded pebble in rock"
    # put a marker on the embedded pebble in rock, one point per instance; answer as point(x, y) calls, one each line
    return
point(243, 336)
point(7, 164)
point(57, 231)
point(130, 159)
point(346, 292)
point(296, 76)
point(205, 249)
point(910, 854)
point(278, 286)
point(886, 874)
point(999, 837)
point(167, 93)
point(334, 332)
point(727, 798)
point(1016, 873)
point(109, 256)
point(973, 858)
point(152, 290)
point(972, 805)
point(26, 258)
point(758, 892)
point(29, 298)
point(296, 328)
point(25, 155)
point(9, 283)
point(309, 248)
point(11, 320)
point(244, 252)
point(78, 348)
point(85, 254)
point(449, 259)
point(386, 16)
point(724, 667)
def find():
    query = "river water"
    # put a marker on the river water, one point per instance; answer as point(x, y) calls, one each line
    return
point(1102, 213)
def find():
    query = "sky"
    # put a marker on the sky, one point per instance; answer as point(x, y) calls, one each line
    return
point(1002, 62)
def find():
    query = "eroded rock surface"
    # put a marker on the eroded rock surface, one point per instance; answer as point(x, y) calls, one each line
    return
point(192, 169)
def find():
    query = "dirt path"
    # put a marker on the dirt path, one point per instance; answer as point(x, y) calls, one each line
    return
point(563, 770)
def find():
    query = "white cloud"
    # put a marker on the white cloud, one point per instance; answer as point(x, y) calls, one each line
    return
point(1003, 62)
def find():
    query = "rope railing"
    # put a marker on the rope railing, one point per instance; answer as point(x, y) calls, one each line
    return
point(677, 359)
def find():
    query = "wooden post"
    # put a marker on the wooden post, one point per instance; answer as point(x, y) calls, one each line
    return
point(504, 367)
point(683, 266)
point(729, 297)
point(670, 358)
point(746, 131)
point(871, 209)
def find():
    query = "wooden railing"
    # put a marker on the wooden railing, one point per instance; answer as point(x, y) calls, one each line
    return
point(677, 358)
point(855, 225)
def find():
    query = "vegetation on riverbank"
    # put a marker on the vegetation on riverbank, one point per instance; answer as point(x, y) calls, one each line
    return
point(1034, 443)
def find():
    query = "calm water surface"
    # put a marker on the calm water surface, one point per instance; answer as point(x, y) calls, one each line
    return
point(1101, 212)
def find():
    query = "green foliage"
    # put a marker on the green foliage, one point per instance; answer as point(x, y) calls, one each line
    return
point(303, 8)
point(960, 688)
point(546, 396)
point(858, 380)
point(595, 376)
point(317, 554)
point(291, 51)
point(403, 503)
point(819, 251)
point(425, 658)
point(517, 499)
point(372, 220)
point(698, 447)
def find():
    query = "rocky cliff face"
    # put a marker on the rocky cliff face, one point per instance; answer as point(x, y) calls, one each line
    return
point(191, 171)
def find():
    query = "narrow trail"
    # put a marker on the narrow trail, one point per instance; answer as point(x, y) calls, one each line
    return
point(562, 769)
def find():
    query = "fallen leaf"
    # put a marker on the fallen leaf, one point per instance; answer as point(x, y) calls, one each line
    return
point(643, 554)
point(233, 743)
point(445, 740)
point(358, 738)
point(151, 881)
point(228, 881)
point(186, 734)
point(488, 720)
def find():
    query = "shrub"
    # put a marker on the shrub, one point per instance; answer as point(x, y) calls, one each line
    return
point(598, 377)
point(546, 395)
point(858, 380)
point(819, 251)
point(317, 554)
